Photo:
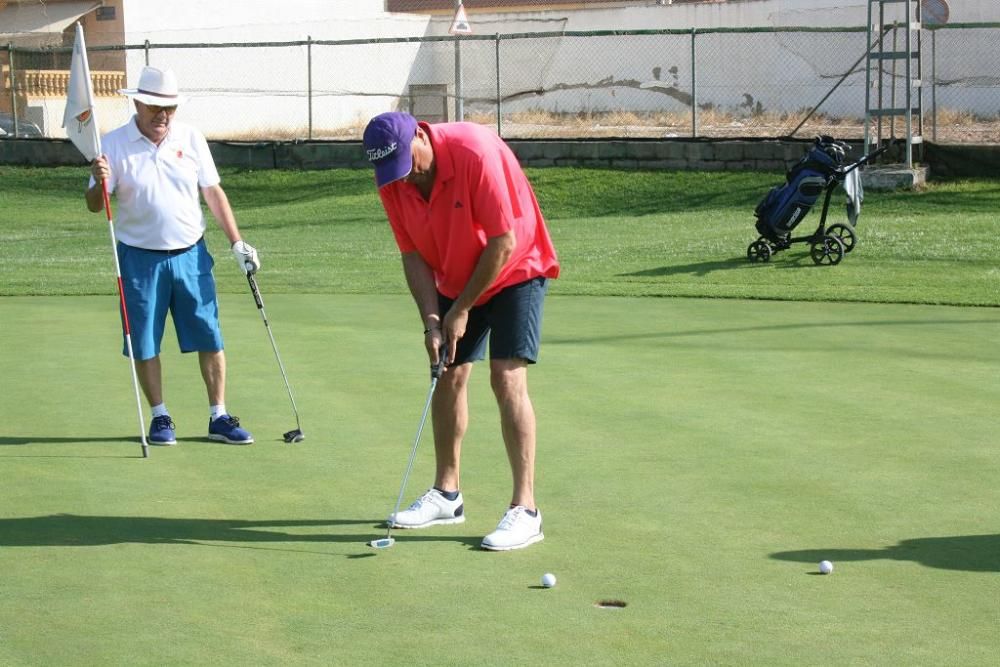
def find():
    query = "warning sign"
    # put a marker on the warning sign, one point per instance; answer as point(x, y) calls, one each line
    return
point(460, 26)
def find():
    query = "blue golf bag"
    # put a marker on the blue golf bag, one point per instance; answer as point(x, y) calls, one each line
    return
point(784, 207)
point(817, 174)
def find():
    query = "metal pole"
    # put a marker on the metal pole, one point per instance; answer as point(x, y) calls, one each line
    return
point(868, 77)
point(146, 50)
point(694, 86)
point(908, 70)
point(934, 85)
point(309, 76)
point(920, 80)
point(893, 79)
point(459, 112)
point(497, 58)
point(13, 85)
point(881, 76)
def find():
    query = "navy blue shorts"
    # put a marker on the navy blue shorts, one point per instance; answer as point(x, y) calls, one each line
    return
point(511, 320)
point(155, 283)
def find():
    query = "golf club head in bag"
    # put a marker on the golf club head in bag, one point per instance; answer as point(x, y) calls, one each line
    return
point(436, 371)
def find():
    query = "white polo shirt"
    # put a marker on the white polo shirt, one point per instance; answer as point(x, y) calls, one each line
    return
point(158, 187)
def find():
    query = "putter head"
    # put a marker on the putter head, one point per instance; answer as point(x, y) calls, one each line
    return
point(382, 543)
point(295, 435)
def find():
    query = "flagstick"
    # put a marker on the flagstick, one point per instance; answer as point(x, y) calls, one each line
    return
point(125, 324)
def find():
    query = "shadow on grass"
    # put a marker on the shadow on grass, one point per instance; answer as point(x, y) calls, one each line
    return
point(125, 439)
point(826, 324)
point(40, 440)
point(34, 440)
point(792, 260)
point(697, 268)
point(969, 553)
point(130, 440)
point(70, 530)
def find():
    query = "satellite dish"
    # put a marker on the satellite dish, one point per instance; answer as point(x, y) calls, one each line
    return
point(934, 12)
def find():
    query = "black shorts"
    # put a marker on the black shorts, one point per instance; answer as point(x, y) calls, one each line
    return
point(511, 319)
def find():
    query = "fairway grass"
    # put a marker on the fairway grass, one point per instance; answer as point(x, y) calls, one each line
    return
point(697, 458)
point(618, 233)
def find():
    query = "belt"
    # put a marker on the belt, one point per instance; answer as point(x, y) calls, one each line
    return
point(176, 251)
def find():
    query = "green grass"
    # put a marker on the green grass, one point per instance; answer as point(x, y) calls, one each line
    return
point(617, 233)
point(697, 456)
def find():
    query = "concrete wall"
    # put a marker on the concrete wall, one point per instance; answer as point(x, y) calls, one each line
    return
point(241, 93)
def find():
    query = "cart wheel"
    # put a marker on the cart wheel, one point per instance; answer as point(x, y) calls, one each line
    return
point(846, 235)
point(759, 251)
point(828, 250)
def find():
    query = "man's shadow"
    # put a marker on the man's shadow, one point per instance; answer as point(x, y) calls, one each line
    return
point(697, 268)
point(69, 530)
point(792, 260)
point(969, 553)
point(130, 440)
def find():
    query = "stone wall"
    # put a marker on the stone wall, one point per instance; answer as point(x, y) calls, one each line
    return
point(944, 160)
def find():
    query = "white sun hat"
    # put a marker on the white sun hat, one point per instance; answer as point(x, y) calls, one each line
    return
point(157, 87)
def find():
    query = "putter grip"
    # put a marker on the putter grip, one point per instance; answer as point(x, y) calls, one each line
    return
point(255, 291)
point(438, 368)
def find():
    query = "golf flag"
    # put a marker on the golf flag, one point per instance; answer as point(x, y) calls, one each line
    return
point(81, 127)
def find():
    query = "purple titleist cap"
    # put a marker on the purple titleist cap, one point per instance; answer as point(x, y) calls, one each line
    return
point(387, 143)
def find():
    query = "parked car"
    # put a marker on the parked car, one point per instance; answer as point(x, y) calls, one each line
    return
point(25, 129)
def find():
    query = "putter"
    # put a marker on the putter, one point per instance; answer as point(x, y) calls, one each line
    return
point(295, 435)
point(436, 371)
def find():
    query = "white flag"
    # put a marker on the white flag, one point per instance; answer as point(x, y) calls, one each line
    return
point(79, 121)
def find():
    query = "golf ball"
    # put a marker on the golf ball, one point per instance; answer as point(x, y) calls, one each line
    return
point(826, 567)
point(548, 580)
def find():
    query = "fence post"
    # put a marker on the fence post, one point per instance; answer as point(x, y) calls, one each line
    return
point(459, 111)
point(13, 85)
point(145, 49)
point(694, 86)
point(497, 58)
point(934, 86)
point(309, 76)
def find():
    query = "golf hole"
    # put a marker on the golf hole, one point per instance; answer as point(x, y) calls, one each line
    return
point(610, 604)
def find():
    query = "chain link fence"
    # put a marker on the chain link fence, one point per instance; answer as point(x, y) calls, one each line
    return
point(649, 84)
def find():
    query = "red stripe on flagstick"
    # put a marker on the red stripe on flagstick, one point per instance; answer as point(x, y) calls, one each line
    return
point(121, 298)
point(125, 324)
point(121, 288)
point(107, 199)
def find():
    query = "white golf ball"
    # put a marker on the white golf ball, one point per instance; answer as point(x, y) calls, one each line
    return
point(548, 580)
point(826, 567)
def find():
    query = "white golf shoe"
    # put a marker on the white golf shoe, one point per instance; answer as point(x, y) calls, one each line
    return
point(430, 509)
point(516, 530)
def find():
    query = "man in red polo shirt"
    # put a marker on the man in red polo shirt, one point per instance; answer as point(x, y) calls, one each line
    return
point(477, 259)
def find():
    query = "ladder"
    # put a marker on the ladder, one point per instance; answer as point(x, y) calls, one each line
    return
point(886, 57)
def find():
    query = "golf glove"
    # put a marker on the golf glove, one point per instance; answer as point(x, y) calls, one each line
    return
point(246, 257)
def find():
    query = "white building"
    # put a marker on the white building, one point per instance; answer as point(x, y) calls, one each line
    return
point(294, 91)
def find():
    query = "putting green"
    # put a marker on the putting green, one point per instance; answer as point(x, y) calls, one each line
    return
point(697, 459)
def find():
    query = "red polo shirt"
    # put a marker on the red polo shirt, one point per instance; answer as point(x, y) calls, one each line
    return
point(479, 192)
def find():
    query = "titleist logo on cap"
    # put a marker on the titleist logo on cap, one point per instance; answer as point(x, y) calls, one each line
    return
point(375, 154)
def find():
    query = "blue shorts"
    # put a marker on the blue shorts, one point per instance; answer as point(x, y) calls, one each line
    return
point(511, 319)
point(154, 282)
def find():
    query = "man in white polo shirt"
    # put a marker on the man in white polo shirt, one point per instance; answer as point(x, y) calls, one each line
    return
point(156, 167)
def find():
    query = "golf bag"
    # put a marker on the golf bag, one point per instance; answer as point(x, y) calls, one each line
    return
point(784, 207)
point(820, 171)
